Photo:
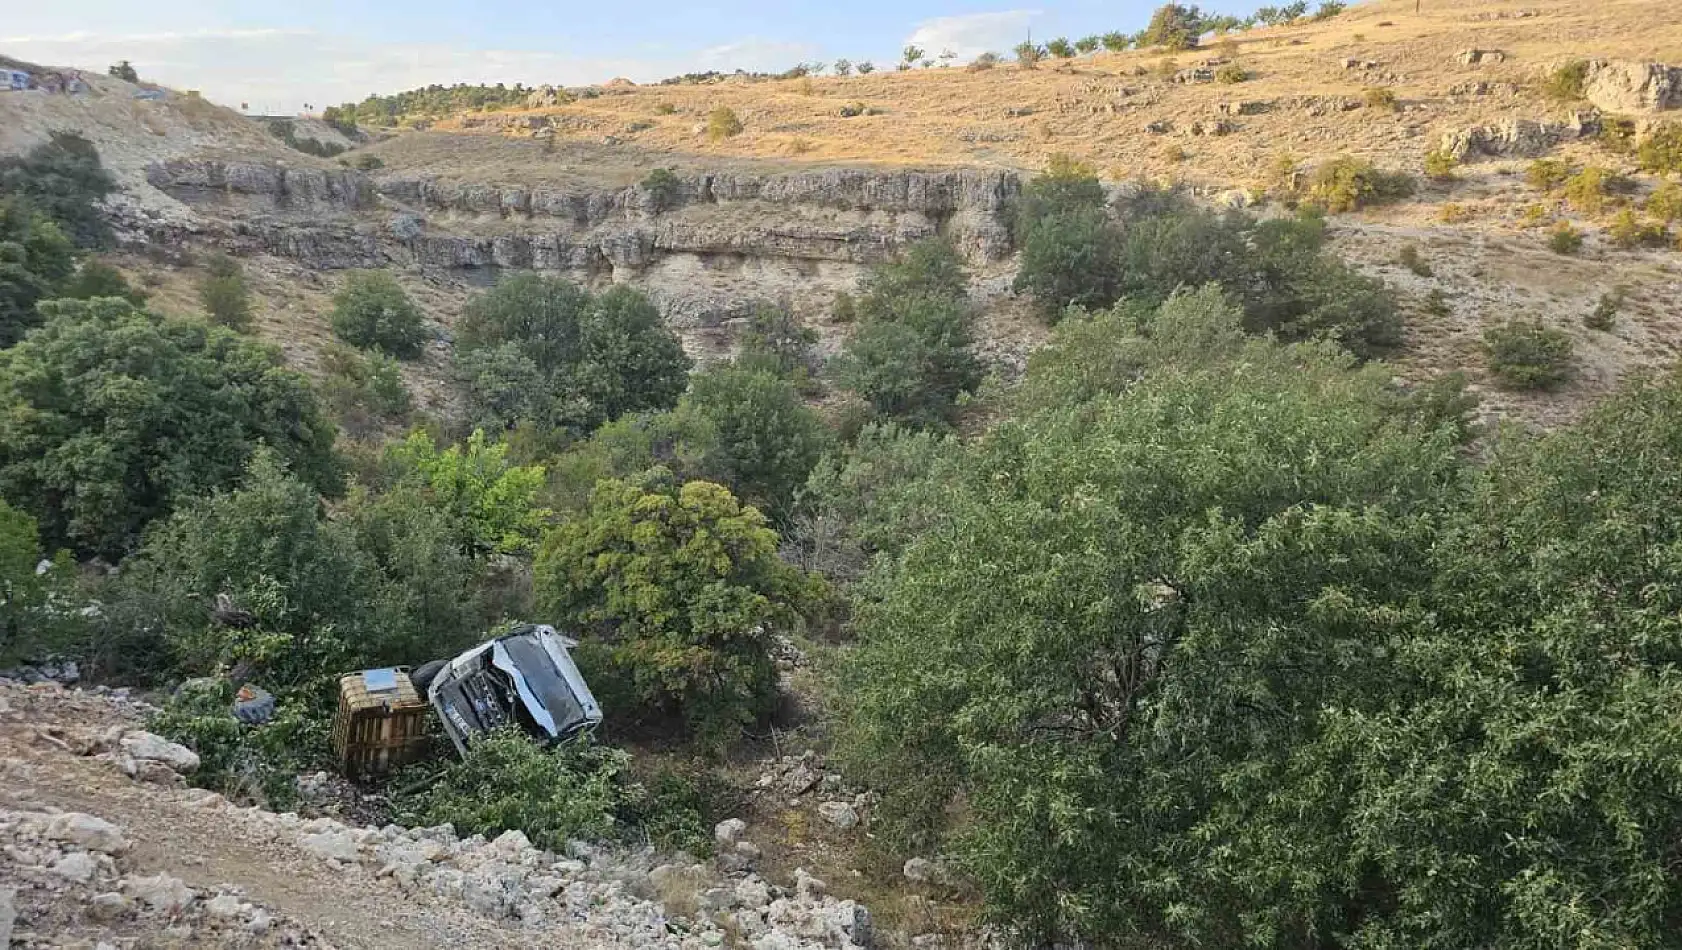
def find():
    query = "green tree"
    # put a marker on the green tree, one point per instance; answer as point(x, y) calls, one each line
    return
point(1061, 48)
point(35, 260)
point(33, 603)
point(544, 349)
point(767, 439)
point(489, 502)
point(223, 295)
point(912, 355)
point(1174, 26)
point(109, 416)
point(63, 179)
point(1528, 355)
point(1130, 605)
point(365, 391)
point(372, 311)
point(776, 339)
point(97, 279)
point(679, 595)
point(124, 70)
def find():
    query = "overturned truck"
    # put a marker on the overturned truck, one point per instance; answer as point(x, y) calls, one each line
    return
point(525, 679)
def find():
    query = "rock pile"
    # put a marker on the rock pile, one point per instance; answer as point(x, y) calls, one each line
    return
point(75, 862)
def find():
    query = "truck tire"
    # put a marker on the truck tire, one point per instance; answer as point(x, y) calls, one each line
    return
point(423, 675)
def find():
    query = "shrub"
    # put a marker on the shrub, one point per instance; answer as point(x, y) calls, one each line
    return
point(1665, 203)
point(1588, 190)
point(1174, 26)
point(767, 440)
point(372, 311)
point(776, 339)
point(912, 356)
point(1533, 216)
point(97, 279)
point(1527, 355)
point(489, 503)
point(1028, 55)
point(34, 621)
point(369, 163)
point(1116, 42)
point(1452, 213)
point(866, 68)
point(125, 71)
point(36, 259)
point(983, 62)
point(1329, 9)
point(1547, 174)
point(1413, 261)
point(1628, 231)
point(1061, 48)
point(1088, 44)
point(255, 764)
point(678, 595)
point(1661, 152)
point(223, 295)
point(1565, 239)
point(722, 123)
point(1440, 165)
point(1617, 135)
point(63, 179)
point(109, 417)
point(1437, 303)
point(364, 391)
point(506, 782)
point(1605, 312)
point(1175, 153)
point(1231, 74)
point(1167, 68)
point(843, 67)
point(1382, 100)
point(546, 351)
point(1349, 184)
point(1566, 82)
point(663, 188)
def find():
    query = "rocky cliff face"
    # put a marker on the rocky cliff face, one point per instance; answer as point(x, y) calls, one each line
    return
point(707, 246)
point(1619, 86)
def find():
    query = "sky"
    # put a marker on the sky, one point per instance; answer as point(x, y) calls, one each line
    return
point(278, 57)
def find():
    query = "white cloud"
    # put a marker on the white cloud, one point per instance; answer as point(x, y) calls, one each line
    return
point(278, 71)
point(970, 36)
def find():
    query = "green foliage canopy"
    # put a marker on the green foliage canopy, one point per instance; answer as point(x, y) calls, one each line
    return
point(372, 311)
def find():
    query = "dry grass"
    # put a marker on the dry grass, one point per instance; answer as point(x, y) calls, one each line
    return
point(1094, 107)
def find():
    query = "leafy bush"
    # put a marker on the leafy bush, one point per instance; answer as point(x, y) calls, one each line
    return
point(1628, 231)
point(678, 595)
point(1587, 191)
point(110, 416)
point(722, 124)
point(663, 188)
point(1174, 26)
point(506, 782)
point(372, 311)
point(1088, 44)
point(368, 163)
point(1349, 184)
point(1547, 173)
point(866, 67)
point(1028, 55)
point(1617, 135)
point(767, 439)
point(123, 70)
point(287, 132)
point(1665, 203)
point(1661, 152)
point(912, 354)
point(1440, 165)
point(489, 503)
point(36, 259)
point(64, 180)
point(546, 351)
point(37, 615)
point(1527, 355)
point(984, 62)
point(223, 295)
point(97, 279)
point(1231, 74)
point(256, 764)
point(775, 339)
point(1565, 239)
point(1060, 48)
point(364, 391)
point(1070, 259)
point(1566, 82)
point(1116, 42)
point(1329, 9)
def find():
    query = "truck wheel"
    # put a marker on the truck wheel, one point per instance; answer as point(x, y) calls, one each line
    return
point(423, 675)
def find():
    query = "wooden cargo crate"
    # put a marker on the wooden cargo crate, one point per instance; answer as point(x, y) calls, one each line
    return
point(378, 731)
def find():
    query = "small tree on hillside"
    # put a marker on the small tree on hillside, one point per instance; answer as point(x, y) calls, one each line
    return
point(223, 295)
point(372, 311)
point(125, 71)
point(1175, 27)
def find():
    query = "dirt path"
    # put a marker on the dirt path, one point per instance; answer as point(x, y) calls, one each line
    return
point(212, 848)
